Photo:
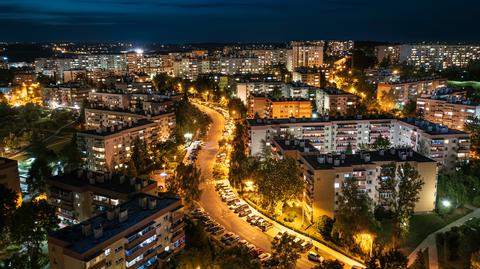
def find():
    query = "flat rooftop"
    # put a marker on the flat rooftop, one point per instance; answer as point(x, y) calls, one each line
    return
point(263, 122)
point(79, 243)
point(117, 129)
point(6, 162)
point(335, 91)
point(347, 160)
point(431, 128)
point(112, 182)
point(414, 80)
point(297, 144)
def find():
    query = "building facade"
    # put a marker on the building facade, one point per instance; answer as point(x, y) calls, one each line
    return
point(452, 112)
point(141, 233)
point(339, 134)
point(109, 149)
point(324, 174)
point(397, 94)
point(80, 195)
point(307, 54)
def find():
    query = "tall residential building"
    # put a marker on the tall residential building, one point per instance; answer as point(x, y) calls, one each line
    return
point(135, 62)
point(307, 54)
point(397, 94)
point(430, 56)
point(339, 48)
point(9, 176)
point(452, 112)
point(141, 233)
point(81, 194)
point(444, 145)
point(109, 149)
point(324, 174)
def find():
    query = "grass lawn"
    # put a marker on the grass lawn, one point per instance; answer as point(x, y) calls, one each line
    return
point(473, 84)
point(421, 225)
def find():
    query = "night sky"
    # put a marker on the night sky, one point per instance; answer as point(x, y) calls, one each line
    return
point(173, 21)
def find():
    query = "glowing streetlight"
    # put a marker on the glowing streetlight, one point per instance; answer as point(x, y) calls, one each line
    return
point(446, 203)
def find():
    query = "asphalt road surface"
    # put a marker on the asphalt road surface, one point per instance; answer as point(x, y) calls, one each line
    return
point(217, 209)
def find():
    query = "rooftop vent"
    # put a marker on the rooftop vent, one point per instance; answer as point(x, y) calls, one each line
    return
point(98, 231)
point(86, 229)
point(123, 215)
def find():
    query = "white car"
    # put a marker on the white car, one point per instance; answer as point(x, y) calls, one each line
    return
point(315, 257)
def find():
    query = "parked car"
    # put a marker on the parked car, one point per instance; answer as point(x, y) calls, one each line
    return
point(305, 246)
point(244, 212)
point(315, 257)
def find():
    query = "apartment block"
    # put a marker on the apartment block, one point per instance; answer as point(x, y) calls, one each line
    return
point(109, 149)
point(452, 112)
point(331, 101)
point(268, 107)
point(81, 194)
point(66, 95)
point(247, 87)
point(430, 56)
point(307, 54)
point(397, 94)
point(9, 176)
point(143, 232)
point(337, 134)
point(311, 77)
point(111, 100)
point(324, 174)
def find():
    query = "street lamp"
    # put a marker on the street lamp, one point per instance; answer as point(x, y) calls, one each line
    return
point(446, 203)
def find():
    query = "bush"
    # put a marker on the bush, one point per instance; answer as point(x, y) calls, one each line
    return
point(290, 217)
point(476, 201)
point(325, 226)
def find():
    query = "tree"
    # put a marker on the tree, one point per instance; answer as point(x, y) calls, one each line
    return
point(8, 202)
point(354, 212)
point(279, 181)
point(325, 226)
point(410, 109)
point(186, 183)
point(472, 126)
point(237, 257)
point(381, 143)
point(329, 264)
point(139, 156)
point(276, 93)
point(70, 154)
point(387, 259)
point(31, 224)
point(285, 252)
point(39, 172)
point(403, 185)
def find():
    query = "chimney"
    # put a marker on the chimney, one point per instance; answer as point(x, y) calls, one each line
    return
point(287, 142)
point(403, 156)
point(392, 151)
point(112, 129)
point(86, 229)
point(142, 202)
point(321, 159)
point(302, 143)
point(100, 178)
point(98, 231)
point(295, 142)
point(123, 215)
point(306, 149)
point(381, 152)
point(336, 162)
point(152, 203)
point(366, 157)
point(329, 159)
point(410, 153)
point(343, 155)
point(110, 214)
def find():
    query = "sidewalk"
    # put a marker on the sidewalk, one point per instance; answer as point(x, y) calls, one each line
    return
point(430, 241)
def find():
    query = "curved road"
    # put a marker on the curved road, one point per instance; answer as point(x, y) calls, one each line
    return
point(211, 202)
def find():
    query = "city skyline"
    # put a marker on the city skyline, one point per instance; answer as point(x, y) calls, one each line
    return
point(236, 21)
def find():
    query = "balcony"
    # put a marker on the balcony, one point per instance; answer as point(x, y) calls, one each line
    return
point(177, 226)
point(140, 239)
point(177, 235)
point(140, 251)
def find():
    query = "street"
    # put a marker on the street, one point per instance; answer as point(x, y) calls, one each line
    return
point(218, 210)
